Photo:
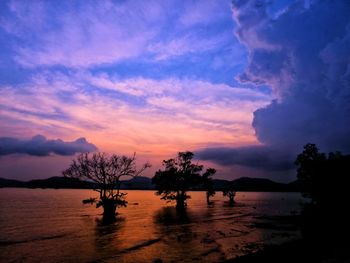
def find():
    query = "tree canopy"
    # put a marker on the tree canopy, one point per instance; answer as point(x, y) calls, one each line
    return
point(106, 172)
point(178, 177)
point(323, 178)
point(208, 183)
point(230, 192)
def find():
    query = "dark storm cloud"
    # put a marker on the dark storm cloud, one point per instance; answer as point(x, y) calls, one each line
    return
point(261, 157)
point(40, 146)
point(303, 53)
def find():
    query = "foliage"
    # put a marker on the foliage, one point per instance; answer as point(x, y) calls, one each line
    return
point(106, 172)
point(310, 164)
point(178, 177)
point(323, 178)
point(208, 184)
point(230, 192)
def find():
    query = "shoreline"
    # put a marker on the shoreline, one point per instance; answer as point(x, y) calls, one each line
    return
point(140, 189)
point(295, 251)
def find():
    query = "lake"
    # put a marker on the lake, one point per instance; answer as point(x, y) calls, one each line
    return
point(50, 225)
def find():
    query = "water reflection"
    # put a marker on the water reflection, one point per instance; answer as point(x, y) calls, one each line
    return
point(171, 215)
point(176, 229)
point(107, 228)
point(107, 238)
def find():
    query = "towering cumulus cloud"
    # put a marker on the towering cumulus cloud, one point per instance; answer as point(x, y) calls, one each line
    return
point(301, 50)
point(40, 146)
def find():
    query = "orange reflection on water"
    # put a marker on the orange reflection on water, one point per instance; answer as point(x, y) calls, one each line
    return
point(54, 226)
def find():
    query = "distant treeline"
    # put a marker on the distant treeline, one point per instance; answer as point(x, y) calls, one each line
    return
point(145, 183)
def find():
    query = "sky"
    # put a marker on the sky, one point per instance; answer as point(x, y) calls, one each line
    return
point(242, 84)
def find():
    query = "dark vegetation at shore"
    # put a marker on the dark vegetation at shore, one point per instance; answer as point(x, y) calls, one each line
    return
point(145, 183)
point(325, 220)
point(295, 251)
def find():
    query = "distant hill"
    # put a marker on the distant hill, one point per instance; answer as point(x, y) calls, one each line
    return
point(11, 183)
point(60, 182)
point(138, 182)
point(261, 185)
point(145, 183)
point(219, 184)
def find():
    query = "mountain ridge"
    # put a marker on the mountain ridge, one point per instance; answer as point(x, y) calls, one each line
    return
point(145, 183)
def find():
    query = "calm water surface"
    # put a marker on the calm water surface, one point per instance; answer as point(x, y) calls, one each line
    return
point(46, 225)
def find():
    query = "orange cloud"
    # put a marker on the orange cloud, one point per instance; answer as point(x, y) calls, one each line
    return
point(175, 115)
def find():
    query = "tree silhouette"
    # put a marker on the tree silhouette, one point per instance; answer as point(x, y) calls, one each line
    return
point(208, 184)
point(230, 192)
point(106, 172)
point(311, 164)
point(178, 177)
point(325, 180)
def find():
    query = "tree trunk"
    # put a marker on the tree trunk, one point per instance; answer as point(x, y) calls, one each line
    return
point(180, 204)
point(208, 198)
point(109, 209)
point(232, 201)
point(180, 201)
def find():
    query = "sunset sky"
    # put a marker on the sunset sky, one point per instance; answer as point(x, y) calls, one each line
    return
point(243, 84)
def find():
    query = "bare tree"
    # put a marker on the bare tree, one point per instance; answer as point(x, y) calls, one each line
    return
point(106, 172)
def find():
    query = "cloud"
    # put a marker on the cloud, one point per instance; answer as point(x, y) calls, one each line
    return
point(81, 34)
point(138, 86)
point(188, 44)
point(40, 146)
point(261, 157)
point(87, 34)
point(138, 113)
point(200, 13)
point(303, 55)
point(130, 75)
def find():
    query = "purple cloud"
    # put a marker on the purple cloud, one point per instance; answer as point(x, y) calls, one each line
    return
point(303, 54)
point(260, 157)
point(40, 146)
point(81, 34)
point(85, 34)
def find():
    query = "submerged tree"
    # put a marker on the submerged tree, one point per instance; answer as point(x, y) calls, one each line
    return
point(208, 183)
point(178, 177)
point(106, 172)
point(230, 192)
